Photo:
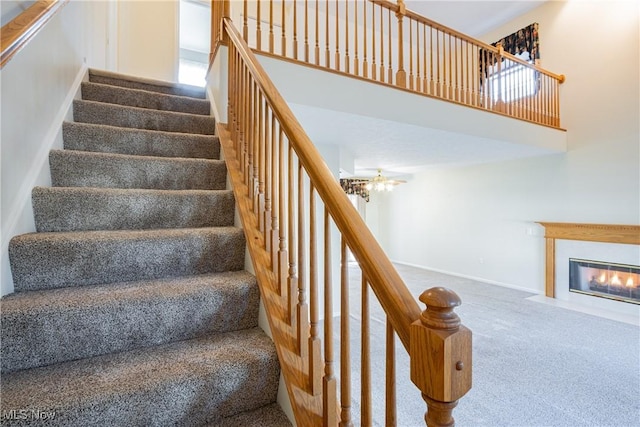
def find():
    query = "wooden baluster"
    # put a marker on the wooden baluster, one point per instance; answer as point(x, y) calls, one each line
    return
point(438, 75)
point(424, 59)
point(283, 38)
point(315, 364)
point(252, 148)
point(500, 94)
point(337, 53)
point(282, 237)
point(295, 29)
point(356, 65)
point(292, 277)
point(252, 128)
point(268, 182)
point(410, 55)
point(401, 74)
point(346, 37)
point(259, 169)
point(432, 85)
point(329, 388)
point(450, 81)
point(245, 27)
point(365, 64)
point(390, 378)
point(271, 37)
point(317, 46)
point(345, 341)
point(373, 42)
point(258, 26)
point(467, 67)
point(382, 69)
point(275, 174)
point(306, 30)
point(302, 308)
point(457, 71)
point(440, 356)
point(390, 49)
point(365, 358)
point(327, 53)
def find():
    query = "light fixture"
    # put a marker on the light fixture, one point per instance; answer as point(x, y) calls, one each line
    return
point(362, 186)
point(381, 183)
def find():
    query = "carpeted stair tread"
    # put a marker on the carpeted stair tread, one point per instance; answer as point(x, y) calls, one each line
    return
point(70, 168)
point(89, 208)
point(61, 259)
point(186, 383)
point(141, 118)
point(143, 99)
point(65, 324)
point(134, 82)
point(119, 140)
point(266, 416)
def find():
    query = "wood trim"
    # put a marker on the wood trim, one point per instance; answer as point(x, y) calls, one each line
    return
point(604, 233)
point(607, 233)
point(17, 33)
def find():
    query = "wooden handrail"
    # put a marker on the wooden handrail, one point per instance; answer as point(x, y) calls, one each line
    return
point(394, 296)
point(17, 33)
point(281, 184)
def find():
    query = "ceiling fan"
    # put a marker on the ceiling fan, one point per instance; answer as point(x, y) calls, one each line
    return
point(377, 183)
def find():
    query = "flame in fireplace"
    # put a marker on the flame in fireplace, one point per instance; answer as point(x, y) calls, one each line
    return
point(630, 283)
point(615, 280)
point(603, 277)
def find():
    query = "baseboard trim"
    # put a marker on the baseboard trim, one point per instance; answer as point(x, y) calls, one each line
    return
point(474, 278)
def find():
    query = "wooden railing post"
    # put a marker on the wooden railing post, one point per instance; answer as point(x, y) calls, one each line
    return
point(440, 356)
point(500, 95)
point(401, 74)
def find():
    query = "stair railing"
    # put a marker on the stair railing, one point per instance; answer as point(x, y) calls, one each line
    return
point(300, 229)
point(385, 42)
point(17, 32)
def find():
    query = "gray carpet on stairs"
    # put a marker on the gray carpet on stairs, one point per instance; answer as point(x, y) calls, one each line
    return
point(56, 260)
point(70, 168)
point(88, 208)
point(141, 118)
point(131, 303)
point(185, 383)
point(134, 82)
point(143, 142)
point(143, 99)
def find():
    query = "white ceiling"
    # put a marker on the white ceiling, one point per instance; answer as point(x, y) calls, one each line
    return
point(472, 17)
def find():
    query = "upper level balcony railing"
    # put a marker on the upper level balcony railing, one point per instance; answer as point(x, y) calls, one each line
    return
point(384, 42)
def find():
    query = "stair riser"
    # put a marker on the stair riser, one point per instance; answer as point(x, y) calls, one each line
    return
point(69, 327)
point(181, 90)
point(141, 118)
point(78, 169)
point(82, 209)
point(55, 260)
point(144, 99)
point(141, 142)
point(188, 383)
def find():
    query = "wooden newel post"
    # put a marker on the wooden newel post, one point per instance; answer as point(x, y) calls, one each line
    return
point(440, 356)
point(401, 74)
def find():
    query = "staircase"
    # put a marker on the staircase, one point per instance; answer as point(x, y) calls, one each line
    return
point(131, 303)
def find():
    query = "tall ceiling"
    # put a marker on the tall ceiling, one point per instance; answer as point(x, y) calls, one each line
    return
point(472, 17)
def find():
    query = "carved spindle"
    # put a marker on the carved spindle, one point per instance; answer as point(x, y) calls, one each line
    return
point(292, 276)
point(329, 386)
point(401, 75)
point(440, 356)
point(365, 64)
point(258, 26)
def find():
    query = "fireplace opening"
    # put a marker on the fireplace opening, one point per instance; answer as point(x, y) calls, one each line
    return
point(604, 279)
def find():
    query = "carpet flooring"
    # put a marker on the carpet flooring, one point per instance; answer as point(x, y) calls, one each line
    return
point(534, 365)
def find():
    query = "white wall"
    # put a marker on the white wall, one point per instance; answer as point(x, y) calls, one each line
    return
point(38, 85)
point(148, 38)
point(480, 221)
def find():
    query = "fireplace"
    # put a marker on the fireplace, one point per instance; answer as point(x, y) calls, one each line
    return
point(604, 279)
